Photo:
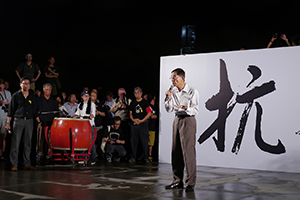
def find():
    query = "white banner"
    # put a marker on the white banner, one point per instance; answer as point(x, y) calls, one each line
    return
point(264, 137)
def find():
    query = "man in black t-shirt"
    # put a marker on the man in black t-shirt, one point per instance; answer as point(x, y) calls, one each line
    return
point(113, 136)
point(139, 112)
point(52, 74)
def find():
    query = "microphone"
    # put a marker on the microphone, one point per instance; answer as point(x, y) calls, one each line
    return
point(167, 97)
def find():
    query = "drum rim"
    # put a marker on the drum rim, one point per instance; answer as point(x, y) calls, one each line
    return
point(70, 119)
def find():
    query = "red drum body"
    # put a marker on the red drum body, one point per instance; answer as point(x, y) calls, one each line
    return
point(61, 129)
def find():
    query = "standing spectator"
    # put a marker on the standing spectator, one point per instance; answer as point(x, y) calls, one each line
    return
point(140, 111)
point(47, 107)
point(52, 74)
point(28, 70)
point(37, 93)
point(113, 136)
point(99, 119)
point(109, 102)
point(71, 106)
point(88, 109)
point(6, 85)
point(152, 125)
point(120, 108)
point(275, 36)
point(184, 100)
point(23, 110)
point(5, 98)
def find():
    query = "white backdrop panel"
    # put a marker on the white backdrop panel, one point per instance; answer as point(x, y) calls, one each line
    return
point(280, 118)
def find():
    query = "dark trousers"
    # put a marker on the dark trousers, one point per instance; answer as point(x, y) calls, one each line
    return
point(139, 133)
point(112, 149)
point(183, 149)
point(25, 128)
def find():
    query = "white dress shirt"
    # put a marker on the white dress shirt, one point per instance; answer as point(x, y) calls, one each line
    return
point(82, 112)
point(188, 96)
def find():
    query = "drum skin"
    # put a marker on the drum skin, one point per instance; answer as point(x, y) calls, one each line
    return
point(60, 133)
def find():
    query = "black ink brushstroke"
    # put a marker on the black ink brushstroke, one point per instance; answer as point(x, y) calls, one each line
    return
point(256, 73)
point(219, 102)
point(278, 149)
point(239, 136)
point(256, 92)
point(225, 92)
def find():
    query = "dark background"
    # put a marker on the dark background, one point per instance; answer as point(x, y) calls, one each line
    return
point(112, 44)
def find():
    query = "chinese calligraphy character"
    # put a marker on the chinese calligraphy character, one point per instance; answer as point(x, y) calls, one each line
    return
point(221, 102)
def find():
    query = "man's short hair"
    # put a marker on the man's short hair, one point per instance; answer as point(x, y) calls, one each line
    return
point(47, 85)
point(138, 88)
point(25, 78)
point(117, 118)
point(109, 93)
point(1, 81)
point(179, 71)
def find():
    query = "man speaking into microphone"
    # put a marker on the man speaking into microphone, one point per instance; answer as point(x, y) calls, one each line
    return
point(184, 101)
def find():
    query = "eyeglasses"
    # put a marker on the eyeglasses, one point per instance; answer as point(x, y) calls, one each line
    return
point(26, 83)
point(173, 77)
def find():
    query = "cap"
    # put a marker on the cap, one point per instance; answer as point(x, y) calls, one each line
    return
point(28, 55)
point(84, 92)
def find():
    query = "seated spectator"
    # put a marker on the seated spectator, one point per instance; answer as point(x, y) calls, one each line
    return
point(61, 108)
point(71, 106)
point(63, 98)
point(113, 136)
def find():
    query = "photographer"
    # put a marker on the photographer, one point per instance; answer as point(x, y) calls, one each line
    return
point(5, 98)
point(282, 36)
point(120, 109)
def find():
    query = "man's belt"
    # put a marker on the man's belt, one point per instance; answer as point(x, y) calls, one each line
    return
point(25, 118)
point(183, 116)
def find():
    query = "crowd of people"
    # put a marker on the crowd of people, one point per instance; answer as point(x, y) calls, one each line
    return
point(125, 127)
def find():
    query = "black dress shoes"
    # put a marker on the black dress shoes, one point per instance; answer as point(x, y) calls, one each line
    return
point(189, 188)
point(175, 186)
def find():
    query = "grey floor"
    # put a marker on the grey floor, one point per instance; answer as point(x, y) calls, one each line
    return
point(143, 181)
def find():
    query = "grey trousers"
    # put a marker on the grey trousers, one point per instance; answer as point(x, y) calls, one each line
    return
point(20, 127)
point(183, 150)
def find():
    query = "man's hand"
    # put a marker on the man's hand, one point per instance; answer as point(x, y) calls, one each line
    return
point(7, 127)
point(137, 121)
point(39, 127)
point(169, 94)
point(182, 107)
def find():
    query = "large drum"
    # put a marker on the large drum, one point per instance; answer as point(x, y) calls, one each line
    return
point(61, 129)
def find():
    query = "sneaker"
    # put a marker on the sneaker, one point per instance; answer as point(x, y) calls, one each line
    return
point(29, 167)
point(14, 168)
point(93, 162)
point(150, 159)
point(117, 159)
point(145, 160)
point(108, 160)
point(131, 160)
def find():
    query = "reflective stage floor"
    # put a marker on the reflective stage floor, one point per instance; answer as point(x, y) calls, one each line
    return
point(115, 181)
